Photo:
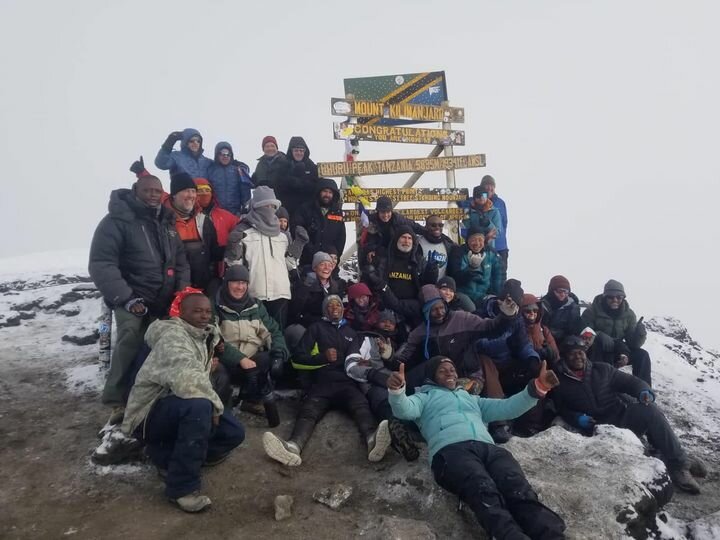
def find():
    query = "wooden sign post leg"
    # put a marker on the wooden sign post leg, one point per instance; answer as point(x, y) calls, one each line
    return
point(453, 226)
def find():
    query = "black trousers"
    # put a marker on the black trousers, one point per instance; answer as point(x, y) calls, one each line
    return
point(254, 383)
point(322, 396)
point(641, 365)
point(650, 421)
point(490, 481)
point(278, 310)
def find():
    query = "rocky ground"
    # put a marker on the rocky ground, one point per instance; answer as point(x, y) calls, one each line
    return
point(49, 416)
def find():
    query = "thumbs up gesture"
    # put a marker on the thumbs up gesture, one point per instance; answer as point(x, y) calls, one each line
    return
point(547, 376)
point(397, 378)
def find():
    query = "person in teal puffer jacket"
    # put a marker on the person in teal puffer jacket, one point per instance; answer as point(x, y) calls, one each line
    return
point(464, 459)
point(477, 271)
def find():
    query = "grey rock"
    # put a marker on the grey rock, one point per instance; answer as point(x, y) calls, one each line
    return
point(283, 507)
point(334, 496)
point(394, 528)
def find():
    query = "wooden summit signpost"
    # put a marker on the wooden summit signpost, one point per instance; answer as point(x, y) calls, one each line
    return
point(380, 109)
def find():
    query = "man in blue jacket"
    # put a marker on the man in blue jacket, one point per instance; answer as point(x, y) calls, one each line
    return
point(189, 159)
point(464, 459)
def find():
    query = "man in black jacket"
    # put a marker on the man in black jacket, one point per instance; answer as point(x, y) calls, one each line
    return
point(382, 229)
point(137, 262)
point(590, 394)
point(299, 184)
point(322, 218)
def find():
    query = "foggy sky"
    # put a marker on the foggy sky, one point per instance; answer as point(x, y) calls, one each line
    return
point(599, 119)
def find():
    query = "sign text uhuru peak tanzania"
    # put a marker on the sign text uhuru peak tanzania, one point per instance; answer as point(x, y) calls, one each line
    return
point(390, 166)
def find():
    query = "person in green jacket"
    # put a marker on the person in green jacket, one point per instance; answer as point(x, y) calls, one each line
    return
point(463, 457)
point(620, 335)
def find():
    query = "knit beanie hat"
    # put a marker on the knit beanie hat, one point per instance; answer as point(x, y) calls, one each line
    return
point(529, 301)
point(613, 287)
point(320, 257)
point(514, 290)
point(267, 139)
point(263, 196)
point(388, 315)
point(571, 343)
point(384, 203)
point(282, 213)
point(474, 229)
point(358, 289)
point(180, 181)
point(558, 282)
point(447, 282)
point(330, 298)
point(487, 180)
point(478, 191)
point(433, 364)
point(237, 272)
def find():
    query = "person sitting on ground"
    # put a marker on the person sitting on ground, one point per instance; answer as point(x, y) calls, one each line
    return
point(619, 335)
point(189, 159)
point(325, 348)
point(230, 179)
point(561, 309)
point(196, 231)
point(309, 291)
point(381, 230)
point(434, 244)
point(456, 301)
point(590, 393)
point(258, 244)
point(244, 323)
point(398, 273)
point(299, 186)
point(272, 167)
point(475, 268)
point(540, 335)
point(173, 408)
point(483, 216)
point(137, 262)
point(322, 218)
point(363, 308)
point(462, 455)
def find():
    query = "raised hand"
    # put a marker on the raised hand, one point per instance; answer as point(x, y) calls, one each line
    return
point(397, 378)
point(547, 376)
point(331, 355)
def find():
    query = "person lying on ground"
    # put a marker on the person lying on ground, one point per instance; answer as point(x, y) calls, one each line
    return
point(462, 455)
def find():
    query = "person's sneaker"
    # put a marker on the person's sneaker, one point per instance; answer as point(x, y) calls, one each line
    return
point(402, 441)
point(286, 452)
point(697, 467)
point(252, 407)
point(379, 442)
point(115, 448)
point(193, 502)
point(684, 480)
point(500, 433)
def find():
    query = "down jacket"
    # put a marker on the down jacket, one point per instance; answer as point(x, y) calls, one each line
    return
point(620, 324)
point(178, 364)
point(299, 185)
point(475, 282)
point(171, 160)
point(251, 330)
point(324, 229)
point(563, 319)
point(231, 183)
point(136, 253)
point(507, 342)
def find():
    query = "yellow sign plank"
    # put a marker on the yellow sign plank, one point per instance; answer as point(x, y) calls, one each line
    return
point(415, 214)
point(409, 194)
point(399, 134)
point(396, 111)
point(390, 166)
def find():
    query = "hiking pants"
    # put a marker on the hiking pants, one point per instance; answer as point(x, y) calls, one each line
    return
point(489, 480)
point(650, 421)
point(180, 437)
point(641, 365)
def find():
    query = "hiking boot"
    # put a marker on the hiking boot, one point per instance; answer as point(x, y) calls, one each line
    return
point(401, 440)
point(252, 407)
point(271, 411)
point(684, 480)
point(379, 442)
point(216, 461)
point(115, 448)
point(193, 502)
point(116, 417)
point(697, 467)
point(500, 433)
point(286, 452)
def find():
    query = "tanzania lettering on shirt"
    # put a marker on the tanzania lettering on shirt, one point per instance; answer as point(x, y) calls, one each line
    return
point(400, 275)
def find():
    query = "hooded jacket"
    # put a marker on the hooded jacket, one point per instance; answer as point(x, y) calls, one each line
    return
point(506, 343)
point(447, 416)
point(540, 336)
point(501, 243)
point(136, 253)
point(563, 318)
point(325, 228)
point(619, 325)
point(298, 187)
point(196, 165)
point(596, 394)
point(362, 321)
point(379, 235)
point(485, 219)
point(475, 282)
point(270, 171)
point(307, 299)
point(178, 364)
point(231, 183)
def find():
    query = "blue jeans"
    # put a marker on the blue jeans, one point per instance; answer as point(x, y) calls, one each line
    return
point(180, 437)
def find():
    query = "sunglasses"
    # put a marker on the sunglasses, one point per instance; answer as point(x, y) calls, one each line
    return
point(615, 297)
point(225, 154)
point(194, 140)
point(564, 291)
point(435, 225)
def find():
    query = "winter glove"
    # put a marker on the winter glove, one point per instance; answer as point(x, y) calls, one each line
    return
point(475, 260)
point(585, 421)
point(138, 167)
point(137, 307)
point(310, 279)
point(508, 307)
point(298, 244)
point(646, 397)
point(174, 137)
point(640, 333)
point(373, 278)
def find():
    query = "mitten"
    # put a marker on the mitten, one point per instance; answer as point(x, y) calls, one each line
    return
point(585, 421)
point(174, 137)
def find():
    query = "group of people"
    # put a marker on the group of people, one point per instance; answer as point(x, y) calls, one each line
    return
point(229, 286)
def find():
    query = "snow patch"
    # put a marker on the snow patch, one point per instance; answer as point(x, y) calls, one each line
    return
point(85, 378)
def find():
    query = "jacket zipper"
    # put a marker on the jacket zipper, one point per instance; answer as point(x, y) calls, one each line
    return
point(147, 239)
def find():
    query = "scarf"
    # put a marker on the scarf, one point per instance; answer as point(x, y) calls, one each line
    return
point(264, 220)
point(183, 214)
point(224, 298)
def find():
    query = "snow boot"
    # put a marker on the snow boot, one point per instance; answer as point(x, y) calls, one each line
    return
point(271, 410)
point(697, 467)
point(285, 452)
point(193, 502)
point(379, 442)
point(683, 480)
point(116, 447)
point(402, 441)
point(116, 417)
point(252, 407)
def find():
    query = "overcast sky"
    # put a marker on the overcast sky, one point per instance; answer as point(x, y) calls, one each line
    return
point(599, 119)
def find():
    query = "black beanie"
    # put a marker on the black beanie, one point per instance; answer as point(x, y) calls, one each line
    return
point(433, 364)
point(478, 191)
point(514, 290)
point(180, 181)
point(383, 203)
point(236, 272)
point(448, 282)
